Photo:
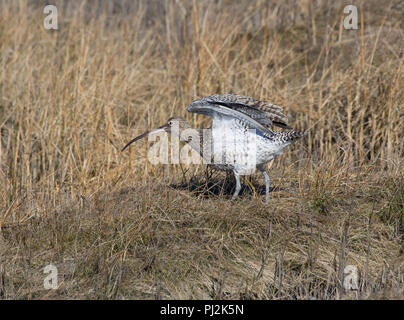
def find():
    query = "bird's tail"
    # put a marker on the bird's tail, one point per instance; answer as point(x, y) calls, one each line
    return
point(292, 136)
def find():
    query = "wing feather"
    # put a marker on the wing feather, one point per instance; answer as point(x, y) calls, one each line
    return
point(208, 109)
point(262, 112)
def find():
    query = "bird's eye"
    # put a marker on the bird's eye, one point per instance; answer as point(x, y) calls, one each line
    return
point(170, 123)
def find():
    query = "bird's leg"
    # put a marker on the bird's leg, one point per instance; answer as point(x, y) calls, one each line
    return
point(266, 176)
point(208, 176)
point(238, 186)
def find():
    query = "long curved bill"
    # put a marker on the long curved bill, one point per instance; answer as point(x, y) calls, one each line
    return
point(159, 129)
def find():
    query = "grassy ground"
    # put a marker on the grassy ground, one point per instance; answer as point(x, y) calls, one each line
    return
point(118, 227)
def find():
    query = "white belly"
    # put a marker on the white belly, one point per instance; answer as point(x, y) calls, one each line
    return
point(240, 149)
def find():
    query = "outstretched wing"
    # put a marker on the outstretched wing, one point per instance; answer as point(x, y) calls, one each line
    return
point(260, 112)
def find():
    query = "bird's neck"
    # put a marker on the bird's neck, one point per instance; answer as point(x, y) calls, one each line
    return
point(198, 139)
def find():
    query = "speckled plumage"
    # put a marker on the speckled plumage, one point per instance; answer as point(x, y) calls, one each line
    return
point(239, 120)
point(240, 138)
point(263, 112)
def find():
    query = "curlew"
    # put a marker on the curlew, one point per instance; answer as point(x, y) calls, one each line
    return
point(240, 138)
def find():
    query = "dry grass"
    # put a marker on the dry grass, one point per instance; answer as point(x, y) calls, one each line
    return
point(118, 227)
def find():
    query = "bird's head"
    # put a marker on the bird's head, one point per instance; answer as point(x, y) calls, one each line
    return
point(173, 125)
